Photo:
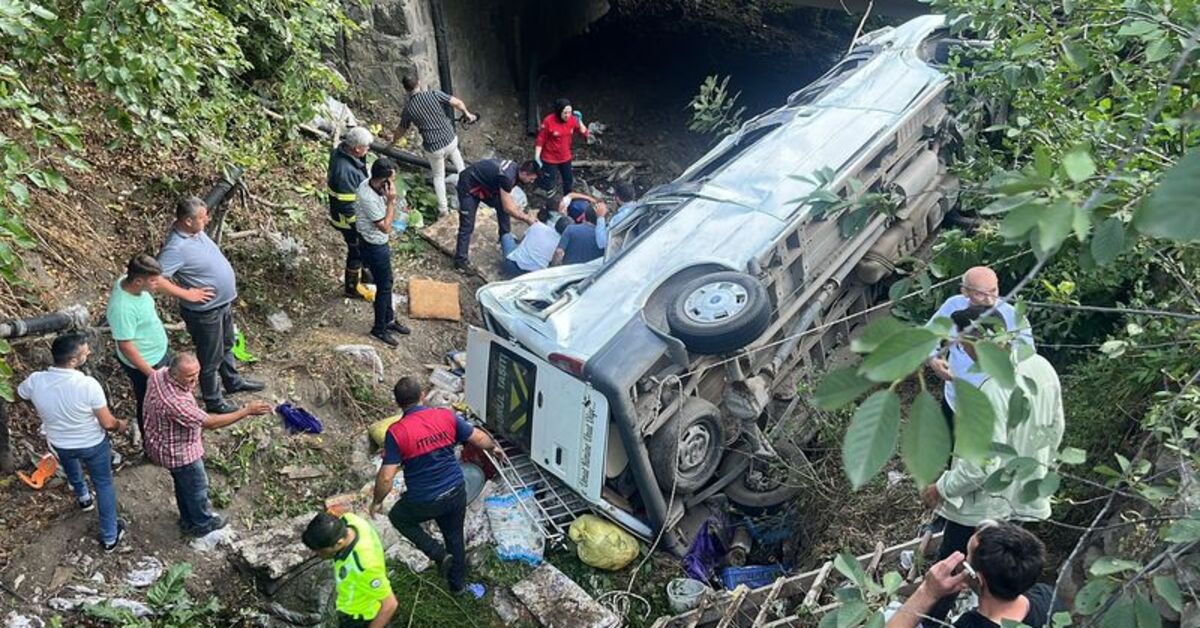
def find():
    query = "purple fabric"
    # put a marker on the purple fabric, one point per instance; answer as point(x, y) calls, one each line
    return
point(297, 419)
point(706, 552)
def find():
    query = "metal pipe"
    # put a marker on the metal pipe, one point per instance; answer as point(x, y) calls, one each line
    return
point(442, 45)
point(74, 317)
point(794, 334)
point(229, 180)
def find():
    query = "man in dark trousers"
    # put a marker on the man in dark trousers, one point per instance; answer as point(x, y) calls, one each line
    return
point(346, 171)
point(375, 209)
point(490, 181)
point(196, 272)
point(423, 440)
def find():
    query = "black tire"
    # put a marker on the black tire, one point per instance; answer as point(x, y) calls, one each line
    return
point(691, 442)
point(782, 487)
point(719, 312)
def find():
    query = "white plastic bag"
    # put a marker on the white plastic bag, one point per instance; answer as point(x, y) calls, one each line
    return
point(517, 535)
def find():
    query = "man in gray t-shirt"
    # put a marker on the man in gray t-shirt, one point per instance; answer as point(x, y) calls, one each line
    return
point(374, 210)
point(196, 272)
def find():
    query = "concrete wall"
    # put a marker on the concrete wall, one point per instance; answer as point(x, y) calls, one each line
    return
point(395, 39)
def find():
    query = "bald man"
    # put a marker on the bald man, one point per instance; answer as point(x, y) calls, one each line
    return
point(174, 422)
point(980, 286)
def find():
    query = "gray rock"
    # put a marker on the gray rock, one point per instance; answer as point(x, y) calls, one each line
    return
point(280, 321)
point(508, 608)
point(68, 604)
point(17, 620)
point(145, 572)
point(274, 551)
point(557, 602)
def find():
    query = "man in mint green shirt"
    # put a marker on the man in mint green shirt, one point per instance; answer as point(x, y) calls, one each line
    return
point(139, 333)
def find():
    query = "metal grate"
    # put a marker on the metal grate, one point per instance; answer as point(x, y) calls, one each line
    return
point(556, 505)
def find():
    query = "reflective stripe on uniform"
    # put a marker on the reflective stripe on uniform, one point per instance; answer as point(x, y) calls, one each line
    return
point(344, 221)
point(345, 197)
point(362, 576)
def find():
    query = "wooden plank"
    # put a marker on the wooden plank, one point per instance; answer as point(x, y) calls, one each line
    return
point(791, 586)
point(814, 591)
point(739, 595)
point(766, 605)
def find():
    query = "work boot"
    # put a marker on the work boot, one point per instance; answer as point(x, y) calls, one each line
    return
point(386, 338)
point(247, 385)
point(399, 328)
point(350, 283)
point(366, 276)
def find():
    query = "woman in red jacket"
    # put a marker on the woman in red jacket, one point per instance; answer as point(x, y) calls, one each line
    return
point(552, 150)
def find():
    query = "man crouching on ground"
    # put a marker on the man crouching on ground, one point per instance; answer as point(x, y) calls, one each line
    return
point(423, 441)
point(364, 594)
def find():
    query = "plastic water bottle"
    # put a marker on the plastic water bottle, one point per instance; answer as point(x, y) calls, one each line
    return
point(400, 223)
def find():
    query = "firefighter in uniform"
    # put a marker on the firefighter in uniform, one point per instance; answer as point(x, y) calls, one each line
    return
point(364, 594)
point(346, 171)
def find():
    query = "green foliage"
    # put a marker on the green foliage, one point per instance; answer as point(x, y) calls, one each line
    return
point(188, 73)
point(714, 110)
point(1080, 127)
point(173, 606)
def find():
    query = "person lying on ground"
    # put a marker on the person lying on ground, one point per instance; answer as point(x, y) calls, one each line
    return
point(536, 248)
point(174, 423)
point(196, 272)
point(427, 110)
point(552, 148)
point(489, 181)
point(625, 197)
point(959, 495)
point(364, 593)
point(76, 420)
point(578, 243)
point(137, 330)
point(423, 442)
point(375, 209)
point(1002, 565)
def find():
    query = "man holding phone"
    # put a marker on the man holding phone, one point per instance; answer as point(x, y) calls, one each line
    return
point(374, 210)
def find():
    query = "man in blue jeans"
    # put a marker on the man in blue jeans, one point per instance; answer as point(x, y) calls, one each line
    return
point(374, 211)
point(76, 419)
point(423, 440)
point(174, 423)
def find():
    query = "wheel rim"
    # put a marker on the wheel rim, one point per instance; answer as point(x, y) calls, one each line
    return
point(716, 301)
point(693, 448)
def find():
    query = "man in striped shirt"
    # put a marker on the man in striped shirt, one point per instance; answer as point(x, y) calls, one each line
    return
point(174, 422)
point(427, 110)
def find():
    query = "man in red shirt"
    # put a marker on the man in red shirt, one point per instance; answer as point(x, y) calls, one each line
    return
point(174, 421)
point(423, 441)
point(552, 149)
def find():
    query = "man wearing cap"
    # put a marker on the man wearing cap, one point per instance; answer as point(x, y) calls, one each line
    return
point(347, 171)
point(364, 594)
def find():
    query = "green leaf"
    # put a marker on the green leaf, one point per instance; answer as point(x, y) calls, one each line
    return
point(1077, 55)
point(1170, 211)
point(1168, 589)
point(974, 418)
point(1184, 531)
point(1108, 241)
point(1048, 485)
point(870, 439)
point(1078, 164)
point(848, 566)
point(1072, 455)
point(852, 614)
point(1159, 49)
point(1093, 594)
point(925, 442)
point(899, 355)
point(1108, 565)
point(1021, 220)
point(1054, 224)
point(19, 191)
point(840, 387)
point(169, 588)
point(1137, 28)
point(1132, 613)
point(1018, 408)
point(996, 362)
point(876, 333)
point(876, 620)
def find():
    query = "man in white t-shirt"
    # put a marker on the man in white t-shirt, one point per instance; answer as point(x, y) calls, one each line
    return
point(76, 419)
point(980, 286)
point(536, 248)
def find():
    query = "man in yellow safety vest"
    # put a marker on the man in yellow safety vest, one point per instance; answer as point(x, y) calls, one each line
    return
point(364, 594)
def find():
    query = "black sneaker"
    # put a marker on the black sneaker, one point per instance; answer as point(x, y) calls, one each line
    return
point(112, 547)
point(386, 338)
point(465, 268)
point(88, 504)
point(399, 328)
